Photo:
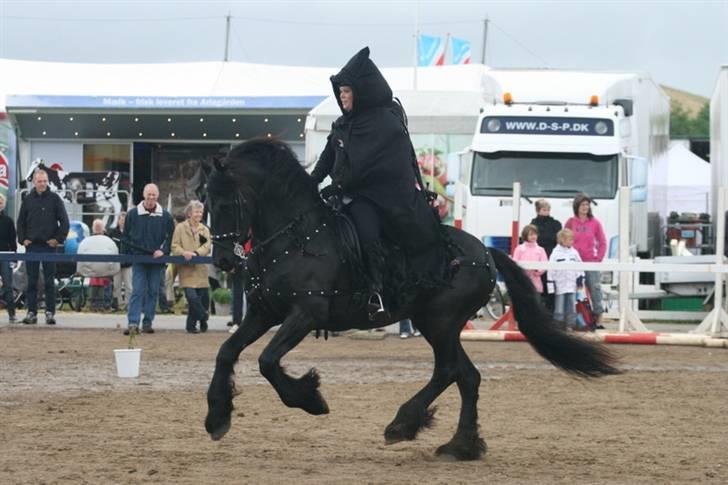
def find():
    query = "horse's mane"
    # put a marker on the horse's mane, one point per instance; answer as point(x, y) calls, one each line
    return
point(283, 172)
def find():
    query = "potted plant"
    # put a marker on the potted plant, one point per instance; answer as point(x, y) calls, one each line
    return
point(223, 298)
point(128, 359)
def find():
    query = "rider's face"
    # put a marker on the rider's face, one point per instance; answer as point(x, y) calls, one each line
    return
point(346, 95)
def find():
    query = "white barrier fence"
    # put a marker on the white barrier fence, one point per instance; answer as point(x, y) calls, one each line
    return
point(715, 323)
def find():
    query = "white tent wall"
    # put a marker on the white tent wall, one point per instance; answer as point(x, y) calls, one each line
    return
point(681, 183)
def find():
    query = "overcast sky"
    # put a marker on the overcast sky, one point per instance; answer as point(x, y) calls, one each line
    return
point(681, 43)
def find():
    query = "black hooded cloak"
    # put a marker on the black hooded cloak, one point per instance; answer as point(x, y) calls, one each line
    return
point(369, 154)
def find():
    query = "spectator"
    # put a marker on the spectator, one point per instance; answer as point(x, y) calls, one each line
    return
point(42, 227)
point(529, 250)
point(8, 243)
point(407, 330)
point(191, 238)
point(591, 243)
point(547, 227)
point(148, 230)
point(562, 282)
point(99, 273)
point(123, 277)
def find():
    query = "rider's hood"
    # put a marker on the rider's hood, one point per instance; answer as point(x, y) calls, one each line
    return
point(367, 83)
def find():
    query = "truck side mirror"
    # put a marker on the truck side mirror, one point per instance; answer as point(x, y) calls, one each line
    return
point(626, 104)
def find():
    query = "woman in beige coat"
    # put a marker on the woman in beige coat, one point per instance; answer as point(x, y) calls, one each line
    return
point(191, 238)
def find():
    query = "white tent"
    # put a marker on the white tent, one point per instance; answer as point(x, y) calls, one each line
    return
point(682, 185)
point(207, 79)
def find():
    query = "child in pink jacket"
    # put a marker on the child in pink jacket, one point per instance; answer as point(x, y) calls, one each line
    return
point(529, 250)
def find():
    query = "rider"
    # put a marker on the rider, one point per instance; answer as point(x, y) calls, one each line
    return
point(370, 159)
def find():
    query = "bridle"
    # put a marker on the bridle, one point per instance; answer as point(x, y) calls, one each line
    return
point(239, 240)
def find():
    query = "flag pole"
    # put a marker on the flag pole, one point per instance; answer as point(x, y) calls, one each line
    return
point(444, 52)
point(485, 38)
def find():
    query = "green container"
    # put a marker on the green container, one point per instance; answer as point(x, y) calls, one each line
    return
point(686, 304)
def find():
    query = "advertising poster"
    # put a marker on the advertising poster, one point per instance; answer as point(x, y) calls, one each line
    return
point(87, 195)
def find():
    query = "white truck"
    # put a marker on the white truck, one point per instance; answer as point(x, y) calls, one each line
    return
point(559, 133)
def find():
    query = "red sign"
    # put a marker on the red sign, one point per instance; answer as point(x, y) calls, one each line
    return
point(4, 171)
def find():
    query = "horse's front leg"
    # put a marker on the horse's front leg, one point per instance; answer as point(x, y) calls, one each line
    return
point(222, 386)
point(296, 393)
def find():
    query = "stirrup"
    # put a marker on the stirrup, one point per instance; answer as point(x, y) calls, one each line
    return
point(376, 305)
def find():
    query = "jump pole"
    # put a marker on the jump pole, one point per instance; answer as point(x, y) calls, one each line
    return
point(628, 319)
point(507, 317)
point(714, 323)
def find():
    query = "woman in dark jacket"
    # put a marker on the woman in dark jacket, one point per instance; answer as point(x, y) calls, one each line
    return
point(548, 227)
point(8, 243)
point(370, 159)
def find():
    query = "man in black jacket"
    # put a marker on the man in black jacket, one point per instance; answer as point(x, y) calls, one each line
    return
point(42, 227)
point(7, 244)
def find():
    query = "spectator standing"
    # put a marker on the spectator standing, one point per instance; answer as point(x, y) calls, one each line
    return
point(123, 277)
point(547, 227)
point(529, 250)
point(148, 230)
point(191, 238)
point(407, 330)
point(591, 243)
point(8, 243)
point(563, 282)
point(42, 227)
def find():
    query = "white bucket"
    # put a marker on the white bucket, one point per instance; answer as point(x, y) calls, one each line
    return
point(127, 362)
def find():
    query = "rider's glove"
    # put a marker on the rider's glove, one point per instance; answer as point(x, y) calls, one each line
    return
point(331, 191)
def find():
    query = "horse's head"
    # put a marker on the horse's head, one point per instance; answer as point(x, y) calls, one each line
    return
point(230, 216)
point(260, 181)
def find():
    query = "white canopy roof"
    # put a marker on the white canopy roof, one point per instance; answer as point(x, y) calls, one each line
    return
point(207, 79)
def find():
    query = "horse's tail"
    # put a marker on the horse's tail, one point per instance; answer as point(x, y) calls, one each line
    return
point(568, 352)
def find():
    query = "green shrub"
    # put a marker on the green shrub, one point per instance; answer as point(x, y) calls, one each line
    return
point(222, 295)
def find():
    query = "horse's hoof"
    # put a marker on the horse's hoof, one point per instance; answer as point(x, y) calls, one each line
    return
point(394, 433)
point(318, 406)
point(462, 450)
point(217, 432)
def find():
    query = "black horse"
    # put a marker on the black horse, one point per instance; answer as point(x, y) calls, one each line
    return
point(297, 279)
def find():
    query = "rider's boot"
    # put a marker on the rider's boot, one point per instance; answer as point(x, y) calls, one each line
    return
point(375, 264)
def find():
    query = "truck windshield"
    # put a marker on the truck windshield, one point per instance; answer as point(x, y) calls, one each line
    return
point(545, 174)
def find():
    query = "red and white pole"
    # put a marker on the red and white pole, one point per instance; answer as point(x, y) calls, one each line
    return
point(516, 215)
point(508, 315)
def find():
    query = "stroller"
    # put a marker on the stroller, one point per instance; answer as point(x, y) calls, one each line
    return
point(585, 318)
point(70, 288)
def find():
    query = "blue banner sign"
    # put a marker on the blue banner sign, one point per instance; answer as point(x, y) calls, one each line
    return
point(545, 125)
point(163, 102)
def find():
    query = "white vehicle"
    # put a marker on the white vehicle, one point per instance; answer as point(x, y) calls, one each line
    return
point(719, 137)
point(559, 133)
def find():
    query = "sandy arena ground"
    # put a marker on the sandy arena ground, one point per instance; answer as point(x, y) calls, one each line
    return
point(67, 418)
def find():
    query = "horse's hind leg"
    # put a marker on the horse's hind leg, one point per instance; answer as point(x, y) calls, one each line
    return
point(414, 414)
point(222, 386)
point(296, 393)
point(451, 365)
point(466, 444)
